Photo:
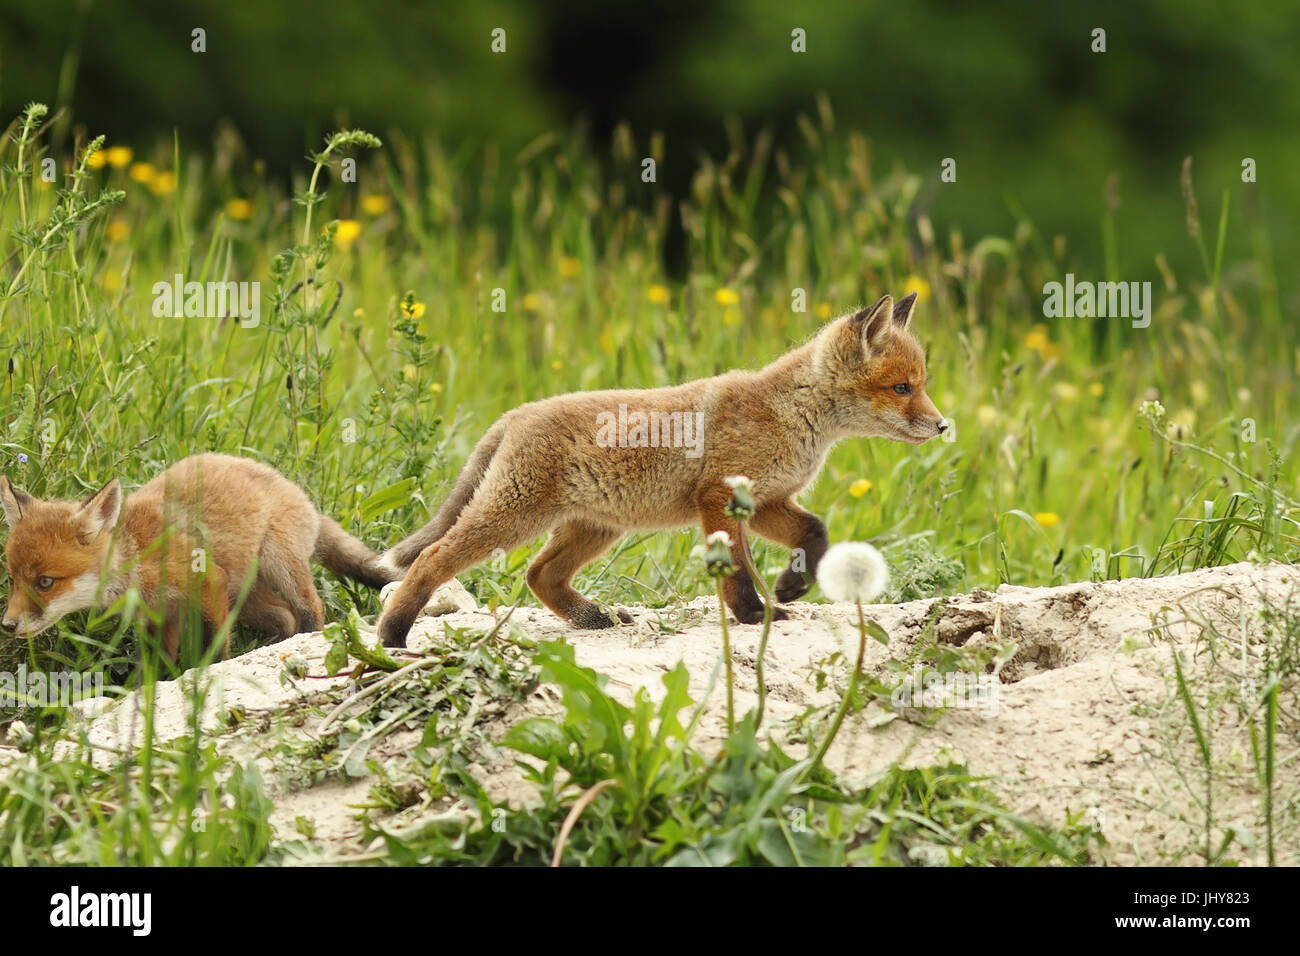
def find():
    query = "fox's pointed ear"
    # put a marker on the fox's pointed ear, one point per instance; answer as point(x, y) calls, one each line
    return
point(903, 311)
point(14, 501)
point(99, 513)
point(873, 326)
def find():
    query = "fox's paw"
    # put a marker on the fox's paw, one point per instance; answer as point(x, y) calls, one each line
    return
point(392, 631)
point(752, 615)
point(792, 584)
point(594, 617)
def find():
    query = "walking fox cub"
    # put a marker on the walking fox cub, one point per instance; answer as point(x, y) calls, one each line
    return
point(189, 536)
point(552, 465)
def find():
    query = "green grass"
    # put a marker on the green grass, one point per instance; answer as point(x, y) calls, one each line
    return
point(379, 360)
point(1046, 414)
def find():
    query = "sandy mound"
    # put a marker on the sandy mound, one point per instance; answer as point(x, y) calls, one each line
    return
point(1083, 719)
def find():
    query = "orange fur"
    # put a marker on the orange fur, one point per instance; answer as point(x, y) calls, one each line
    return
point(191, 536)
point(544, 466)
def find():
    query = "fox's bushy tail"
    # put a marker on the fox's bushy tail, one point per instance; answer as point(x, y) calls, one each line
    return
point(401, 555)
point(350, 558)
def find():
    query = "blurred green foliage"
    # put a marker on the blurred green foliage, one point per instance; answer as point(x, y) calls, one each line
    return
point(1011, 90)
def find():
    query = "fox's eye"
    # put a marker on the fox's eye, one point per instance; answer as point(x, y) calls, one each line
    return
point(45, 582)
point(903, 388)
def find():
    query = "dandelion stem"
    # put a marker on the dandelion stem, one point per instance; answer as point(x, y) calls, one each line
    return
point(848, 695)
point(748, 559)
point(726, 657)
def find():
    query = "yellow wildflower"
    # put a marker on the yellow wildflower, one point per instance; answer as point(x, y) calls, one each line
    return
point(1038, 341)
point(118, 230)
point(658, 294)
point(163, 183)
point(532, 302)
point(824, 311)
point(118, 156)
point(435, 387)
point(1037, 338)
point(725, 296)
point(860, 487)
point(569, 267)
point(413, 309)
point(919, 285)
point(347, 232)
point(1096, 389)
point(141, 172)
point(1047, 518)
point(239, 209)
point(375, 204)
point(95, 160)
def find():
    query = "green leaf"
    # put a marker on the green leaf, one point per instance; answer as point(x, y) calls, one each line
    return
point(387, 499)
point(336, 658)
point(772, 844)
point(593, 718)
point(539, 737)
point(878, 632)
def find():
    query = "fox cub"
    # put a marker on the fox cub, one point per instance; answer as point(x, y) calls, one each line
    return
point(191, 535)
point(556, 465)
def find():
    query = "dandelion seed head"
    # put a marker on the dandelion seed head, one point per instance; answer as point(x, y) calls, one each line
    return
point(853, 571)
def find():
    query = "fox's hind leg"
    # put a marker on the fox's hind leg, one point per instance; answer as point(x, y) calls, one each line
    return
point(304, 599)
point(284, 568)
point(804, 534)
point(502, 515)
point(571, 546)
point(265, 610)
point(216, 605)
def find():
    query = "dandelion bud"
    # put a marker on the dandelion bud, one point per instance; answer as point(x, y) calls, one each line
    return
point(741, 507)
point(296, 665)
point(717, 555)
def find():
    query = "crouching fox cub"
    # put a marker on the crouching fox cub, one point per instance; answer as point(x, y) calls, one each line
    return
point(559, 465)
point(191, 535)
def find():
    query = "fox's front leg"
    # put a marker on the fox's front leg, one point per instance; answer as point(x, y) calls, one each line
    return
point(738, 589)
point(216, 604)
point(150, 581)
point(804, 534)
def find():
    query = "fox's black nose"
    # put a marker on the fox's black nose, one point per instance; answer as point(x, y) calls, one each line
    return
point(9, 625)
point(942, 425)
